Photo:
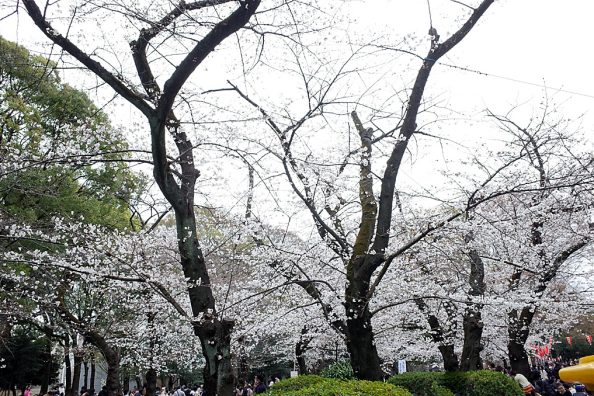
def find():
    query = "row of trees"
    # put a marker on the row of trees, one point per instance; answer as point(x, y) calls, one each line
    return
point(377, 267)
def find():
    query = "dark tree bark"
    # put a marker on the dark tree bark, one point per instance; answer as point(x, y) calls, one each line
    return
point(359, 276)
point(367, 257)
point(126, 383)
point(92, 378)
point(67, 367)
point(367, 254)
point(300, 348)
point(214, 332)
point(112, 358)
point(86, 375)
point(450, 359)
point(472, 318)
point(76, 373)
point(47, 368)
point(471, 350)
point(442, 337)
point(151, 382)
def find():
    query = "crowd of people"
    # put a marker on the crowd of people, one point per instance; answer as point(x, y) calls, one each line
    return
point(257, 386)
point(544, 380)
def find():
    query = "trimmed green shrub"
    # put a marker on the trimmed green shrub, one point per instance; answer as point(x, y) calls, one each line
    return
point(472, 383)
point(457, 382)
point(340, 370)
point(418, 382)
point(438, 390)
point(292, 384)
point(311, 385)
point(486, 382)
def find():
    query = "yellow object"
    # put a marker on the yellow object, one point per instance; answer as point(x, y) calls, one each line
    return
point(583, 372)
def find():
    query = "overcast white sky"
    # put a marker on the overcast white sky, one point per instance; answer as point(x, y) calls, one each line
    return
point(529, 40)
point(522, 45)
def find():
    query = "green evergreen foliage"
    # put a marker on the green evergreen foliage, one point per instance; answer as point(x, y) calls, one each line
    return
point(24, 359)
point(472, 383)
point(340, 370)
point(59, 156)
point(311, 385)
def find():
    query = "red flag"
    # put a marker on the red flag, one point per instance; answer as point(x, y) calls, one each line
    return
point(589, 339)
point(568, 339)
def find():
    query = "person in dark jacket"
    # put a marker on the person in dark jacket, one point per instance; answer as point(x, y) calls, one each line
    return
point(546, 387)
point(561, 391)
point(580, 390)
point(259, 384)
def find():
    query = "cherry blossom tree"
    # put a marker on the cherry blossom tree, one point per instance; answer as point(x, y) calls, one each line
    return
point(364, 251)
point(157, 105)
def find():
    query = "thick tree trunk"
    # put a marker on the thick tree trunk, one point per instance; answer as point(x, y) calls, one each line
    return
point(518, 330)
point(300, 349)
point(450, 359)
point(67, 368)
point(151, 382)
point(472, 319)
point(301, 365)
point(47, 368)
point(215, 338)
point(112, 358)
point(518, 358)
point(441, 336)
point(359, 332)
point(86, 375)
point(471, 350)
point(92, 378)
point(361, 346)
point(76, 374)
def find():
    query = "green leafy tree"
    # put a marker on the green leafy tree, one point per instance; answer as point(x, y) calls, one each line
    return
point(25, 359)
point(60, 156)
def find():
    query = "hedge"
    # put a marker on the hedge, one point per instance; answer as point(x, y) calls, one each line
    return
point(472, 383)
point(312, 385)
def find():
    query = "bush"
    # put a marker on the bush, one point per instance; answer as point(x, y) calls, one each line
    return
point(341, 370)
point(291, 384)
point(419, 383)
point(486, 382)
point(311, 385)
point(438, 390)
point(457, 382)
point(472, 383)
